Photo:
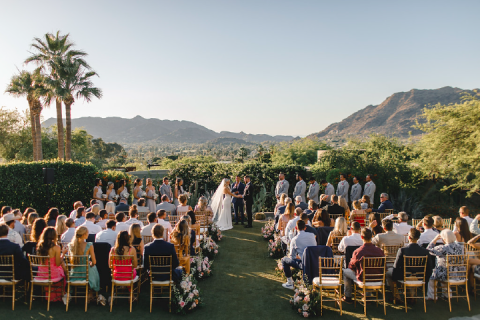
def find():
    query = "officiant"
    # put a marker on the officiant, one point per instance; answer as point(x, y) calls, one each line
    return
point(237, 188)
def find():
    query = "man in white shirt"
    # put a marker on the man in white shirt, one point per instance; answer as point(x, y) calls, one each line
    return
point(90, 224)
point(355, 239)
point(290, 228)
point(429, 234)
point(13, 236)
point(133, 218)
point(464, 212)
point(167, 206)
point(19, 227)
point(108, 235)
point(162, 214)
point(152, 221)
point(68, 235)
point(76, 205)
point(121, 225)
point(402, 227)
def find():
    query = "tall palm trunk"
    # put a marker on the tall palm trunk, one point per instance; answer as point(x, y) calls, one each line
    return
point(61, 143)
point(32, 124)
point(38, 129)
point(68, 119)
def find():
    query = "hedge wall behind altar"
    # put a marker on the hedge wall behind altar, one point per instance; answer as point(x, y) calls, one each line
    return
point(22, 185)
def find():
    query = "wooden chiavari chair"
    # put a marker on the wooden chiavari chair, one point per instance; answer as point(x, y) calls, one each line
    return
point(391, 254)
point(77, 276)
point(373, 281)
point(359, 217)
point(203, 221)
point(447, 223)
point(26, 237)
point(386, 213)
point(174, 220)
point(7, 277)
point(335, 242)
point(415, 222)
point(335, 216)
point(158, 269)
point(183, 255)
point(125, 277)
point(330, 280)
point(142, 216)
point(41, 275)
point(147, 239)
point(414, 272)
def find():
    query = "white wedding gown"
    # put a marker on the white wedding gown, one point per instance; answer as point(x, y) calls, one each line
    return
point(224, 221)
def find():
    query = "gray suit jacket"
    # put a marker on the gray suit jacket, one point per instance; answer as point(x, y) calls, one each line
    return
point(329, 191)
point(167, 190)
point(313, 192)
point(300, 189)
point(282, 187)
point(342, 189)
point(356, 192)
point(369, 190)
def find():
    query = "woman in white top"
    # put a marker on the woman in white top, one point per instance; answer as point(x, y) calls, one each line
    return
point(98, 193)
point(183, 208)
point(137, 191)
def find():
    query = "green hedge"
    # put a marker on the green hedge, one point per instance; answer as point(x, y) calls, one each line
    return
point(22, 185)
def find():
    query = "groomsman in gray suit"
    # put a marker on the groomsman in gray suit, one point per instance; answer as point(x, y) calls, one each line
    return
point(313, 190)
point(282, 186)
point(300, 188)
point(369, 189)
point(342, 188)
point(356, 191)
point(165, 189)
point(329, 190)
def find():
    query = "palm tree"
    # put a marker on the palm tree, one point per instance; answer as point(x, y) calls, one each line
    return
point(27, 84)
point(52, 50)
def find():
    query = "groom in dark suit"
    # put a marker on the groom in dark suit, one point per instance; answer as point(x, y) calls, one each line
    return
point(248, 199)
point(238, 188)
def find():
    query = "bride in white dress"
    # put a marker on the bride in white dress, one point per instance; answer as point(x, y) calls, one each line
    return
point(222, 205)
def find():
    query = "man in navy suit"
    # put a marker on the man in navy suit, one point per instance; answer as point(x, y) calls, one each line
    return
point(160, 247)
point(237, 188)
point(8, 248)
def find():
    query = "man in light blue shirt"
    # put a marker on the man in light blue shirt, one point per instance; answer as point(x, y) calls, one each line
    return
point(297, 246)
point(167, 206)
point(108, 235)
point(68, 235)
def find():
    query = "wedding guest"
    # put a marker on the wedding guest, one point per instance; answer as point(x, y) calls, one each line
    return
point(181, 238)
point(464, 212)
point(69, 234)
point(384, 205)
point(193, 238)
point(76, 205)
point(463, 231)
point(369, 189)
point(167, 227)
point(159, 247)
point(365, 202)
point(312, 208)
point(152, 221)
point(110, 207)
point(203, 207)
point(133, 213)
point(96, 209)
point(61, 225)
point(167, 206)
point(402, 227)
point(308, 228)
point(165, 189)
point(340, 230)
point(120, 191)
point(474, 261)
point(322, 219)
point(92, 203)
point(438, 223)
point(282, 186)
point(280, 203)
point(13, 236)
point(183, 208)
point(313, 190)
point(342, 202)
point(137, 190)
point(8, 248)
point(292, 224)
point(375, 223)
point(90, 224)
point(151, 200)
point(388, 238)
point(30, 247)
point(103, 215)
point(178, 191)
point(297, 246)
point(80, 218)
point(26, 213)
point(285, 218)
point(300, 189)
point(121, 225)
point(450, 247)
point(356, 191)
point(98, 193)
point(5, 210)
point(108, 235)
point(474, 225)
point(329, 190)
point(429, 234)
point(110, 191)
point(19, 227)
point(136, 237)
point(353, 239)
point(122, 206)
point(343, 186)
point(300, 204)
point(191, 214)
point(354, 272)
point(358, 214)
point(141, 208)
point(334, 207)
point(32, 216)
point(123, 247)
point(51, 217)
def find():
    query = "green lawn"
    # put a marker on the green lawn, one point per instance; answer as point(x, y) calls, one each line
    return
point(244, 286)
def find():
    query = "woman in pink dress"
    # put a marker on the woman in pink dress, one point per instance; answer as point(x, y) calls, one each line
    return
point(47, 246)
point(123, 247)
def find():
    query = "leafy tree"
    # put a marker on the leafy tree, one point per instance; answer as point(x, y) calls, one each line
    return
point(299, 152)
point(15, 133)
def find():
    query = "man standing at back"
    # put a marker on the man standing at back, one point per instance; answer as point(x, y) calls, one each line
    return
point(237, 188)
point(248, 198)
point(300, 188)
point(329, 190)
point(165, 189)
point(356, 191)
point(369, 189)
point(313, 190)
point(342, 188)
point(282, 186)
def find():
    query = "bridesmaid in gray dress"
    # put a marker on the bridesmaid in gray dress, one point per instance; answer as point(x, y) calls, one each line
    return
point(137, 191)
point(178, 191)
point(110, 191)
point(152, 206)
point(121, 188)
point(97, 192)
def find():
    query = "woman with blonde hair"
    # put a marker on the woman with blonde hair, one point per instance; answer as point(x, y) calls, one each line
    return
point(136, 238)
point(32, 216)
point(181, 238)
point(111, 193)
point(61, 225)
point(281, 202)
point(202, 207)
point(26, 213)
point(340, 230)
point(286, 217)
point(96, 209)
point(343, 203)
point(110, 207)
point(358, 214)
point(183, 208)
point(438, 223)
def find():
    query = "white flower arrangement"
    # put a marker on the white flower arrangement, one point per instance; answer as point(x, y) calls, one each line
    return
point(186, 295)
point(200, 267)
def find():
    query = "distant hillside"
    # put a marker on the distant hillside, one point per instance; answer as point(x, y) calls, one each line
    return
point(394, 116)
point(138, 129)
point(228, 141)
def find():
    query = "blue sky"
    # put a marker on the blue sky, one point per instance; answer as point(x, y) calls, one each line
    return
point(276, 67)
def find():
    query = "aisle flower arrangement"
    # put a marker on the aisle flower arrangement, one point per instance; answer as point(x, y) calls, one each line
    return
point(268, 231)
point(200, 267)
point(275, 250)
point(214, 232)
point(185, 295)
point(209, 247)
point(305, 301)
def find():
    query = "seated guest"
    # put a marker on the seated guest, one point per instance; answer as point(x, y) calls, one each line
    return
point(108, 235)
point(181, 238)
point(103, 214)
point(358, 214)
point(26, 213)
point(342, 202)
point(334, 207)
point(122, 206)
point(110, 207)
point(290, 228)
point(384, 205)
point(365, 202)
point(429, 234)
point(80, 218)
point(474, 225)
point(167, 205)
point(76, 205)
point(411, 250)
point(31, 246)
point(32, 216)
point(96, 209)
point(324, 200)
point(152, 221)
point(123, 247)
point(191, 214)
point(308, 228)
point(141, 206)
point(193, 237)
point(19, 227)
point(121, 225)
point(285, 218)
point(402, 227)
point(61, 225)
point(464, 212)
point(68, 235)
point(312, 208)
point(450, 247)
point(355, 267)
point(159, 247)
point(136, 238)
point(297, 246)
point(474, 261)
point(92, 203)
point(183, 207)
point(203, 207)
point(51, 217)
point(322, 219)
point(340, 230)
point(353, 238)
point(90, 224)
point(8, 248)
point(375, 223)
point(389, 238)
point(280, 203)
point(5, 210)
point(463, 231)
point(13, 236)
point(438, 223)
point(133, 213)
point(300, 204)
point(167, 227)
